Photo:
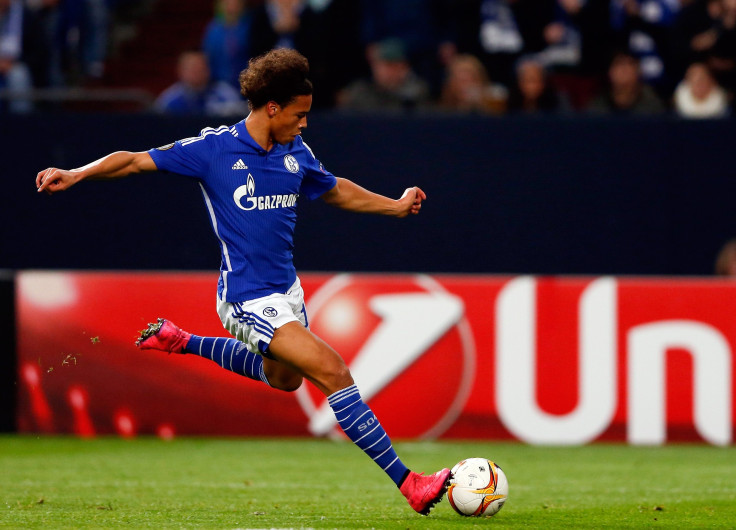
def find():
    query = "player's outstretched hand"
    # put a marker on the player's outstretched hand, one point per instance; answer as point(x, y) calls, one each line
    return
point(411, 201)
point(52, 180)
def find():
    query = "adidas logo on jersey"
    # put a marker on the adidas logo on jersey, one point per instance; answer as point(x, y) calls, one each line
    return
point(240, 164)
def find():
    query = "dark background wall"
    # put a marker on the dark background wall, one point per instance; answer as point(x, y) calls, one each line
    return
point(512, 195)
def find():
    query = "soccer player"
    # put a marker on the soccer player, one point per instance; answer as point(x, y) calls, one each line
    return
point(251, 175)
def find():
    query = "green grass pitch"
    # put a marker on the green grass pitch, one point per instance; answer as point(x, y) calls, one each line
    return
point(58, 482)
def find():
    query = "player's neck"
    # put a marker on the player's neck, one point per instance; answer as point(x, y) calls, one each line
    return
point(258, 126)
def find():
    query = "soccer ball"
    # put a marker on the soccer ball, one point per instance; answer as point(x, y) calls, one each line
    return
point(477, 487)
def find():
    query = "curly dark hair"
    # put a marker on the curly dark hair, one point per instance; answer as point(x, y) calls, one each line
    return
point(279, 75)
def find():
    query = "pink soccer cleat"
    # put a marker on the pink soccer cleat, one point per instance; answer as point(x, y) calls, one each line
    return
point(424, 492)
point(163, 335)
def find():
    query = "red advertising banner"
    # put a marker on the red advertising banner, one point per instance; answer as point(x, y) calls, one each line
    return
point(541, 360)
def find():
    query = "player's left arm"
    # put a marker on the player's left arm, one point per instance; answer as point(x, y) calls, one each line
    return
point(350, 196)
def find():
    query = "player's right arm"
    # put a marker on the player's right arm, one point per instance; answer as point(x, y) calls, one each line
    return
point(114, 165)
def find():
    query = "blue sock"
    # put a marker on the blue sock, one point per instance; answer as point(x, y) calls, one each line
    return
point(231, 354)
point(360, 425)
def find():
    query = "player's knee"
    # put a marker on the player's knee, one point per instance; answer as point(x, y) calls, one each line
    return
point(282, 379)
point(290, 384)
point(339, 377)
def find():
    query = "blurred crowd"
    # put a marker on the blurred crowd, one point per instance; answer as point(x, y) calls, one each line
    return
point(623, 57)
point(51, 43)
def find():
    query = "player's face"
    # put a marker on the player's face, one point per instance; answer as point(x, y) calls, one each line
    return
point(287, 122)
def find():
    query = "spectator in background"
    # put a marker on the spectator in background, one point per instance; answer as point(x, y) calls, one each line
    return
point(282, 19)
point(692, 37)
point(329, 37)
point(326, 32)
point(626, 92)
point(563, 42)
point(22, 55)
point(80, 39)
point(426, 29)
point(278, 24)
point(393, 86)
point(726, 260)
point(197, 93)
point(716, 45)
point(227, 41)
point(576, 49)
point(468, 89)
point(532, 93)
point(699, 96)
point(510, 29)
point(644, 28)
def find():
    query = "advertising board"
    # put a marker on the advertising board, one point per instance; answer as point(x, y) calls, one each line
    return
point(543, 360)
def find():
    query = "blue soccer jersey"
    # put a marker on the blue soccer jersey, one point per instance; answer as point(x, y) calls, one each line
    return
point(251, 197)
